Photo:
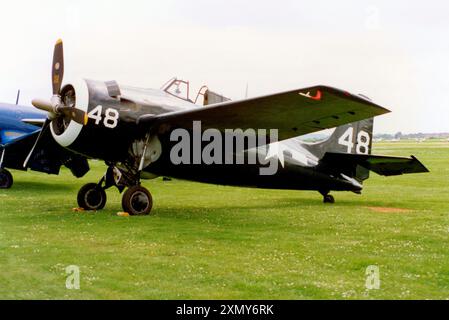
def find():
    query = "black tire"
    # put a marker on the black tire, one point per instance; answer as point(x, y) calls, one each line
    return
point(329, 199)
point(91, 197)
point(6, 179)
point(137, 201)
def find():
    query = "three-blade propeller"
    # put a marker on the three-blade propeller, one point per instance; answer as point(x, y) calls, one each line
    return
point(56, 107)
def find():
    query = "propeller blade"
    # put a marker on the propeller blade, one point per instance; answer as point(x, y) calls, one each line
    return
point(44, 127)
point(43, 105)
point(57, 71)
point(74, 114)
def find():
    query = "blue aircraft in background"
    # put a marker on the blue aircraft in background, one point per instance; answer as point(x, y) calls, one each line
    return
point(17, 121)
point(19, 129)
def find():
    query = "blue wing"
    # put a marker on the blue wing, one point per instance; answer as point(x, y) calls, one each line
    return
point(48, 156)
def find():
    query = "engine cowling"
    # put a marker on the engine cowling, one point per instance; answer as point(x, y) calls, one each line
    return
point(109, 129)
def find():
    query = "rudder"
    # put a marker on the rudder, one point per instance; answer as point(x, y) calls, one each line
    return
point(356, 138)
point(352, 138)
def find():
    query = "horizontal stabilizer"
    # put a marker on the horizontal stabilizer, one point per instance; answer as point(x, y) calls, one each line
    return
point(382, 165)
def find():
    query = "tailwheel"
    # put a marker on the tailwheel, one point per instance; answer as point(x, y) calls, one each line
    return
point(6, 179)
point(91, 197)
point(137, 201)
point(328, 199)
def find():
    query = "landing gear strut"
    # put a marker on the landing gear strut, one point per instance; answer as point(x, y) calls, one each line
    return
point(6, 179)
point(327, 198)
point(136, 200)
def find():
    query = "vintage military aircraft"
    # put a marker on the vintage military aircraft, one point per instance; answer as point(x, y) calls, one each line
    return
point(19, 128)
point(138, 131)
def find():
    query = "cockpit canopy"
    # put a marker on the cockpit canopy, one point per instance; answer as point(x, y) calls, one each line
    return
point(181, 89)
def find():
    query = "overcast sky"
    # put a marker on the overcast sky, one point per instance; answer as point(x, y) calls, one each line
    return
point(395, 52)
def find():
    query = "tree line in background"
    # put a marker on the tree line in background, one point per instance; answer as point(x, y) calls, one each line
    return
point(411, 136)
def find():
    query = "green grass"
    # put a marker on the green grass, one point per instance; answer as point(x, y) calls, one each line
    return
point(215, 242)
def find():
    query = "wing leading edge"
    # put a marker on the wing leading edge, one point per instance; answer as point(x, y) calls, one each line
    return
point(293, 113)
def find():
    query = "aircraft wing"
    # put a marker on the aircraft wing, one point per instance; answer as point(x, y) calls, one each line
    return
point(48, 156)
point(293, 113)
point(382, 165)
point(38, 122)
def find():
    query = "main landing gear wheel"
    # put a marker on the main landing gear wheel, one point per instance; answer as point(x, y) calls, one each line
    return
point(137, 201)
point(92, 197)
point(328, 199)
point(6, 179)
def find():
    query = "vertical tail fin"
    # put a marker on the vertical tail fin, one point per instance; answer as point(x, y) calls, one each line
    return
point(352, 138)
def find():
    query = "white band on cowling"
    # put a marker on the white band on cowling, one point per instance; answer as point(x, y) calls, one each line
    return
point(72, 132)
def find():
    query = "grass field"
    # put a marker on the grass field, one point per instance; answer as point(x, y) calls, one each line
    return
point(215, 242)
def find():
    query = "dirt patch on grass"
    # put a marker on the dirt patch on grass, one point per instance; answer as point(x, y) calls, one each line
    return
point(389, 210)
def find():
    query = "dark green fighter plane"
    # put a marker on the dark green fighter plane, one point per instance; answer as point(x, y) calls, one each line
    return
point(146, 133)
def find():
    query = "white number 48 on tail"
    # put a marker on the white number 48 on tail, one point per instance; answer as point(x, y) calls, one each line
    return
point(362, 144)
